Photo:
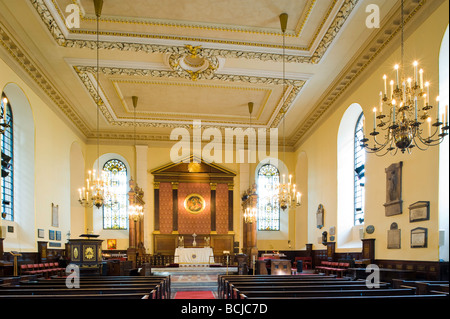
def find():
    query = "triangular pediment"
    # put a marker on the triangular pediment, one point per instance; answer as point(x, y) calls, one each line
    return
point(193, 169)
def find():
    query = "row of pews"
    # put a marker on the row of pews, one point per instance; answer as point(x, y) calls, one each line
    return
point(319, 287)
point(90, 287)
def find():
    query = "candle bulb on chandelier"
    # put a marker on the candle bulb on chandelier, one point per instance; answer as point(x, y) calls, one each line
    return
point(396, 67)
point(374, 118)
point(392, 88)
point(393, 111)
point(429, 127)
point(421, 79)
point(381, 103)
point(446, 115)
point(415, 72)
point(409, 83)
point(415, 108)
point(427, 85)
point(299, 198)
point(385, 84)
point(437, 106)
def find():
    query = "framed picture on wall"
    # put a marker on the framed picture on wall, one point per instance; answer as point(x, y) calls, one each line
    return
point(40, 233)
point(111, 244)
point(51, 235)
point(194, 203)
point(55, 219)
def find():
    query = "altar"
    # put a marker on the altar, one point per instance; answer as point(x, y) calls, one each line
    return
point(194, 256)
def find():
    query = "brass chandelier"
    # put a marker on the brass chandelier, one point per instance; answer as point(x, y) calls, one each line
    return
point(404, 109)
point(96, 188)
point(286, 193)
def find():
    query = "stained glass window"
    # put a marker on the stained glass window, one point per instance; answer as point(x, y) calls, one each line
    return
point(359, 178)
point(116, 204)
point(7, 161)
point(268, 206)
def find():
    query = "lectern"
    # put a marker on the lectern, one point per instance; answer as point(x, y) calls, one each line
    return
point(86, 253)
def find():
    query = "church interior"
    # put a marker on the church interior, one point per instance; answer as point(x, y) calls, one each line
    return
point(211, 149)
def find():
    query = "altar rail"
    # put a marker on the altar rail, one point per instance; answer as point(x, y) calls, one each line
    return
point(167, 260)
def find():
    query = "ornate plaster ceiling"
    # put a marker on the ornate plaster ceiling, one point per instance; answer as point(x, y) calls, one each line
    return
point(194, 60)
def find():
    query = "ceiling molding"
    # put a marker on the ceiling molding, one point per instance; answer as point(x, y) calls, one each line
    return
point(86, 74)
point(375, 46)
point(139, 42)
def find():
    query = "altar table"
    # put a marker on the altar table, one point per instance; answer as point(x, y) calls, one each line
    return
point(194, 256)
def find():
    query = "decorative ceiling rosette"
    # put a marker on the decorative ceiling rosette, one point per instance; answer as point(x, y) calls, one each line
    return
point(193, 64)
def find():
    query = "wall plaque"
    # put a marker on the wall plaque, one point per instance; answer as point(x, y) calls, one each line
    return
point(394, 237)
point(419, 211)
point(419, 237)
point(394, 202)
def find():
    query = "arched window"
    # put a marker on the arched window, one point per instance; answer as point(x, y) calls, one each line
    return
point(115, 205)
point(7, 147)
point(359, 178)
point(268, 206)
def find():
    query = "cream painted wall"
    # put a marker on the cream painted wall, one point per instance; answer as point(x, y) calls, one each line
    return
point(420, 169)
point(53, 140)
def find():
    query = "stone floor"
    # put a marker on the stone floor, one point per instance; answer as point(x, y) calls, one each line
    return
point(194, 278)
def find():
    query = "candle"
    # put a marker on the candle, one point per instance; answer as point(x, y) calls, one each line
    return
point(415, 107)
point(427, 85)
point(299, 198)
point(381, 103)
point(393, 111)
point(415, 71)
point(385, 84)
point(374, 118)
point(446, 114)
point(421, 79)
point(404, 92)
point(396, 74)
point(410, 83)
point(392, 88)
point(429, 126)
point(437, 105)
point(79, 191)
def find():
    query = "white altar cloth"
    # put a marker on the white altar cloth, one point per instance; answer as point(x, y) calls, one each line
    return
point(194, 256)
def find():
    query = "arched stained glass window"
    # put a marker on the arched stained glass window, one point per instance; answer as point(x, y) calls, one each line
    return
point(268, 206)
point(359, 178)
point(115, 206)
point(7, 161)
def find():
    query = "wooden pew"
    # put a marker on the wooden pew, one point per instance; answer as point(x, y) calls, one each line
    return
point(153, 288)
point(222, 279)
point(243, 294)
point(292, 289)
point(423, 287)
point(228, 284)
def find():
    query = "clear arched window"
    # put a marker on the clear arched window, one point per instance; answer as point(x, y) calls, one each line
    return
point(116, 204)
point(7, 147)
point(268, 206)
point(359, 178)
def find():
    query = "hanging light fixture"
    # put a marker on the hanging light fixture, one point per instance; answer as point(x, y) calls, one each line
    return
point(135, 210)
point(286, 192)
point(250, 212)
point(403, 111)
point(96, 188)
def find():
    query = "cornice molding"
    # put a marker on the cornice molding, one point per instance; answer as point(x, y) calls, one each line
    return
point(375, 47)
point(30, 67)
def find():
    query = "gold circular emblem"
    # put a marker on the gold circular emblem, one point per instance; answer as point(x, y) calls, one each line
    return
point(194, 203)
point(75, 253)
